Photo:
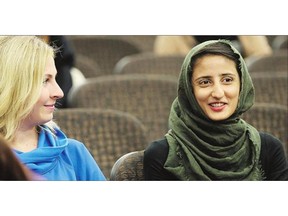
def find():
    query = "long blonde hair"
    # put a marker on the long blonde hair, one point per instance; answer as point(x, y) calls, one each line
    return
point(22, 64)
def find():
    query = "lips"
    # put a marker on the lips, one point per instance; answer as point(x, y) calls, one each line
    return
point(217, 106)
point(52, 105)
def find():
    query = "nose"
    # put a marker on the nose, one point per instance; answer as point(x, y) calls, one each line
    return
point(217, 91)
point(57, 92)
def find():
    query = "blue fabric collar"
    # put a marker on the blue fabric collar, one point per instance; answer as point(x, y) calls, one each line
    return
point(50, 146)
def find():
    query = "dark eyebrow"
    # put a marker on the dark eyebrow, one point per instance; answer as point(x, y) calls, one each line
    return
point(208, 77)
point(228, 74)
point(203, 77)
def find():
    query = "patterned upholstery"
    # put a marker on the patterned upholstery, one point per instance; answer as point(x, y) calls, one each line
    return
point(277, 62)
point(87, 66)
point(145, 43)
point(271, 118)
point(271, 87)
point(147, 97)
point(129, 167)
point(280, 42)
point(106, 52)
point(108, 134)
point(150, 63)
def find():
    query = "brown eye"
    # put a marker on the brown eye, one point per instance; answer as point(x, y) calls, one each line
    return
point(227, 79)
point(204, 82)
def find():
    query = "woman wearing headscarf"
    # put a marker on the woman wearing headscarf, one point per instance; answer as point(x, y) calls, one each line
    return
point(207, 139)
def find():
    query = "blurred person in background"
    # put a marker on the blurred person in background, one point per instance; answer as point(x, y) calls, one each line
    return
point(247, 45)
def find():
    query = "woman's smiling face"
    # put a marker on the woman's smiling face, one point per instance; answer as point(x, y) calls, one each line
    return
point(216, 85)
point(43, 110)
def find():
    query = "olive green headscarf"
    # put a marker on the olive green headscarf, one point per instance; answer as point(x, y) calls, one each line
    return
point(202, 149)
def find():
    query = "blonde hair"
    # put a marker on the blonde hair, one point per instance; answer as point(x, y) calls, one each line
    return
point(22, 64)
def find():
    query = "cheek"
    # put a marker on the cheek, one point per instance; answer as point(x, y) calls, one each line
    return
point(233, 96)
point(201, 94)
point(233, 92)
point(44, 96)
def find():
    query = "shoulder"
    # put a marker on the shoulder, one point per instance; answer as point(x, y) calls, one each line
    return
point(83, 161)
point(157, 147)
point(271, 148)
point(76, 146)
point(73, 145)
point(154, 159)
point(270, 143)
point(157, 151)
point(272, 157)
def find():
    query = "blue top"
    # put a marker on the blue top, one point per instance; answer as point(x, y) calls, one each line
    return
point(60, 158)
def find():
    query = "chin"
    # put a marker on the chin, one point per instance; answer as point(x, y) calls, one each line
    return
point(218, 118)
point(223, 118)
point(47, 119)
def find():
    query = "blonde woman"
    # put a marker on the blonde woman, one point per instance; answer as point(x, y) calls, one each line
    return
point(28, 95)
point(64, 63)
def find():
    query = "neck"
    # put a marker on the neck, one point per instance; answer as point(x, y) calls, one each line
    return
point(25, 140)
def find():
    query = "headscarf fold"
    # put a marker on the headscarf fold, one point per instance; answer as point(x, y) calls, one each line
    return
point(202, 149)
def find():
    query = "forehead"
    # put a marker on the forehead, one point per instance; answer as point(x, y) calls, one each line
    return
point(50, 68)
point(213, 65)
point(213, 61)
point(207, 57)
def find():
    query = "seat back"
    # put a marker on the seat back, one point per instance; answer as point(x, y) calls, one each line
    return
point(150, 63)
point(87, 66)
point(108, 134)
point(277, 62)
point(271, 118)
point(280, 42)
point(271, 87)
point(147, 97)
point(129, 167)
point(106, 52)
point(144, 42)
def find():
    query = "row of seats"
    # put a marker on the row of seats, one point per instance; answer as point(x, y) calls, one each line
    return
point(98, 55)
point(108, 134)
point(127, 98)
point(147, 97)
point(277, 62)
point(105, 51)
